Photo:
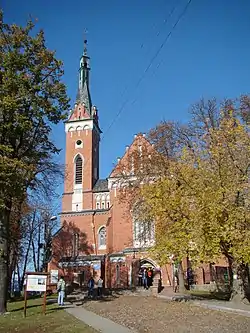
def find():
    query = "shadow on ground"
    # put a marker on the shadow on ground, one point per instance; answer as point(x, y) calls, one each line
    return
point(79, 297)
point(48, 310)
point(216, 295)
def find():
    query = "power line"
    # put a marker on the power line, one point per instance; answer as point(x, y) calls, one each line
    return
point(182, 14)
point(165, 21)
point(150, 64)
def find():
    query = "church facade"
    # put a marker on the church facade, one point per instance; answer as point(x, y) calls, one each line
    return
point(98, 235)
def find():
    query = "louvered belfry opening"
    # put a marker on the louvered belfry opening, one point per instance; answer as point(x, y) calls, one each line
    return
point(78, 175)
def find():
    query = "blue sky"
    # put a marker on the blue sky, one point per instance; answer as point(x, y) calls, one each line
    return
point(207, 55)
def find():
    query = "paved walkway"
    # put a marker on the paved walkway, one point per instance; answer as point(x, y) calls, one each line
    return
point(97, 322)
point(105, 325)
point(240, 309)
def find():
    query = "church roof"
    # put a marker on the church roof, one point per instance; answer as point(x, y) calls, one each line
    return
point(83, 95)
point(139, 140)
point(83, 108)
point(101, 185)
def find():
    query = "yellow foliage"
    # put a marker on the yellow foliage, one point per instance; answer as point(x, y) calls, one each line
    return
point(201, 205)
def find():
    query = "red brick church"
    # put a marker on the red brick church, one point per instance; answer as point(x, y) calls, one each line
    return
point(98, 236)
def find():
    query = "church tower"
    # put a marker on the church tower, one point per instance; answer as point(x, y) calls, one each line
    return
point(82, 146)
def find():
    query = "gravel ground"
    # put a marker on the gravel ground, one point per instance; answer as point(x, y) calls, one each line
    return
point(148, 314)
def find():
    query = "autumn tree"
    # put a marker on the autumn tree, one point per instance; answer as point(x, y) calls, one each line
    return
point(32, 99)
point(222, 185)
point(209, 204)
point(152, 159)
point(195, 185)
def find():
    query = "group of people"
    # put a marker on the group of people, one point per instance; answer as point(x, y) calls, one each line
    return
point(95, 287)
point(145, 277)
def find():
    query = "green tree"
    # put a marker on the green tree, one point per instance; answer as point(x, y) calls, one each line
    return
point(32, 99)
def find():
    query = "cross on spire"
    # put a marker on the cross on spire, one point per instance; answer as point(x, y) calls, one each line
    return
point(85, 41)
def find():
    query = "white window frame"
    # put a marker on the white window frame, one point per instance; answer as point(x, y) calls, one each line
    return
point(102, 246)
point(143, 233)
point(74, 161)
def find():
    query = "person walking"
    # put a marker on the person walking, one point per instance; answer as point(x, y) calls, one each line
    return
point(100, 285)
point(91, 283)
point(61, 286)
point(140, 282)
point(149, 277)
point(144, 278)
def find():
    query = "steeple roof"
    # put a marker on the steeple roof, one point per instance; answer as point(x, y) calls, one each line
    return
point(83, 97)
point(84, 109)
point(83, 94)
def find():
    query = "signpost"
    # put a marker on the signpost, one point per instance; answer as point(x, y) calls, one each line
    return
point(35, 282)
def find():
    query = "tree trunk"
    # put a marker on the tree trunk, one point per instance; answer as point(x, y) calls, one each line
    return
point(10, 271)
point(4, 254)
point(38, 248)
point(182, 288)
point(26, 257)
point(19, 278)
point(231, 273)
point(247, 283)
point(34, 256)
point(12, 264)
point(237, 294)
point(237, 291)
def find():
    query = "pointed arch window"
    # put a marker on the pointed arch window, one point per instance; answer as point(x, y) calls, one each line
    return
point(78, 170)
point(102, 238)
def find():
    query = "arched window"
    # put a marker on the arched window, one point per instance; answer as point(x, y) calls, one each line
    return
point(102, 237)
point(108, 201)
point(97, 202)
point(78, 170)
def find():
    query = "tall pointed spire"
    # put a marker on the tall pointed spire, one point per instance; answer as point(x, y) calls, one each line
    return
point(83, 95)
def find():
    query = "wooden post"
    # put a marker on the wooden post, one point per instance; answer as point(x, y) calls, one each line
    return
point(25, 298)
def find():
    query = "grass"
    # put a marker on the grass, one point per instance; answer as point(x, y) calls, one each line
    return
point(217, 295)
point(56, 319)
